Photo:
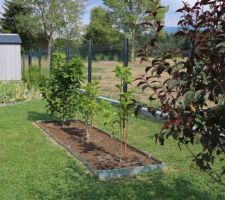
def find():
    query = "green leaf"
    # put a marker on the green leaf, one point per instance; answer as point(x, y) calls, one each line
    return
point(188, 98)
point(198, 93)
point(222, 44)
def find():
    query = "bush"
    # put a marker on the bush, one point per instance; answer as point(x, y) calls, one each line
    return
point(115, 57)
point(12, 92)
point(33, 78)
point(98, 57)
point(106, 57)
point(62, 87)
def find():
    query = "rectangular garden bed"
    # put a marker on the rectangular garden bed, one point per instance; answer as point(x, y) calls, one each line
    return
point(101, 153)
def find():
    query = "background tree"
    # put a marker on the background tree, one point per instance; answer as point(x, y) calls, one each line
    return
point(10, 24)
point(127, 15)
point(55, 18)
point(101, 30)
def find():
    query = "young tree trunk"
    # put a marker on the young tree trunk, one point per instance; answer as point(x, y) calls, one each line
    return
point(88, 132)
point(121, 141)
point(49, 53)
point(125, 139)
point(132, 45)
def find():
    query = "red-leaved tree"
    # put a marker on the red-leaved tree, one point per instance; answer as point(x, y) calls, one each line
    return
point(193, 95)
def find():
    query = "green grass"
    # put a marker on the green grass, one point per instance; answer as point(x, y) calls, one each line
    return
point(32, 167)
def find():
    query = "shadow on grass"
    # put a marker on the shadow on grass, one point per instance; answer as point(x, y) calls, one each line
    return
point(79, 185)
point(154, 186)
point(35, 116)
point(75, 183)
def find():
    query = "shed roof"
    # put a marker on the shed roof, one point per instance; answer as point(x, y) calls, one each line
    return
point(10, 39)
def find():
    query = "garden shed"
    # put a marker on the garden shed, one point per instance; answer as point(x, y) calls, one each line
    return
point(10, 57)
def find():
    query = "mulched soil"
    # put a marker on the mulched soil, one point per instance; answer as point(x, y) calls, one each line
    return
point(101, 151)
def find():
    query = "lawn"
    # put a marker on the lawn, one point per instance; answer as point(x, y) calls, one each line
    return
point(33, 167)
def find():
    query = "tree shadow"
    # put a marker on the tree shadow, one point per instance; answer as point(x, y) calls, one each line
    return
point(34, 116)
point(152, 186)
point(75, 132)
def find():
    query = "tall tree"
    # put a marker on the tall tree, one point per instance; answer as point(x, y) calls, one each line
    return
point(128, 15)
point(10, 24)
point(56, 18)
point(100, 30)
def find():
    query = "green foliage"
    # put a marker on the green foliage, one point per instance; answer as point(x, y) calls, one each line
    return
point(33, 78)
point(188, 98)
point(110, 118)
point(98, 57)
point(62, 88)
point(13, 92)
point(100, 29)
point(126, 103)
point(128, 16)
point(54, 18)
point(13, 10)
point(115, 58)
point(61, 43)
point(165, 43)
point(88, 105)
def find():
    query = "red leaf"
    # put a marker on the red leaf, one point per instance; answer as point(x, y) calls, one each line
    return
point(180, 10)
point(153, 42)
point(141, 83)
point(180, 33)
point(144, 87)
point(148, 68)
point(154, 13)
point(160, 28)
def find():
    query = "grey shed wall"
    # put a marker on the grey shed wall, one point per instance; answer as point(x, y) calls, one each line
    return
point(10, 58)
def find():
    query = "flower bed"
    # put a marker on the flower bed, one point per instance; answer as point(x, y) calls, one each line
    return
point(100, 154)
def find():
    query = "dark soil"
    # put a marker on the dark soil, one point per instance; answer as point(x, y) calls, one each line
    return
point(100, 151)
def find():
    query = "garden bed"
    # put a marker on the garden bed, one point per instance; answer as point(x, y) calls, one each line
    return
point(101, 153)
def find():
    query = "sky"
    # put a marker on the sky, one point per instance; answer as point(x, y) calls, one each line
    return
point(171, 17)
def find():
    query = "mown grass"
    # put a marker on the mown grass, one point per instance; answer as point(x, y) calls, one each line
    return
point(32, 167)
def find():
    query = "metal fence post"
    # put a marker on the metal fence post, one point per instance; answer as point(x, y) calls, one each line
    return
point(125, 62)
point(89, 61)
point(23, 63)
point(39, 58)
point(67, 53)
point(50, 51)
point(29, 58)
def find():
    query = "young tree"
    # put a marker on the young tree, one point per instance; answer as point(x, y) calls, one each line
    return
point(10, 24)
point(126, 103)
point(127, 15)
point(55, 18)
point(193, 95)
point(88, 105)
point(101, 30)
point(62, 88)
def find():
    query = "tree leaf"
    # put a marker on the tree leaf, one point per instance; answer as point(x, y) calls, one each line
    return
point(222, 44)
point(198, 93)
point(141, 83)
point(188, 98)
